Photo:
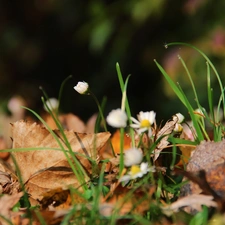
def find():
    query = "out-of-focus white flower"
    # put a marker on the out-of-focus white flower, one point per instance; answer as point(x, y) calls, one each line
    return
point(82, 87)
point(132, 157)
point(180, 117)
point(52, 104)
point(15, 103)
point(136, 172)
point(144, 122)
point(117, 118)
point(178, 128)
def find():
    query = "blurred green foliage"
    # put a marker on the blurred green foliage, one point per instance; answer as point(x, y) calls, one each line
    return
point(42, 42)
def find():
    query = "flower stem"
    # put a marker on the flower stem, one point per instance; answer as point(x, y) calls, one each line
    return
point(99, 109)
point(102, 117)
point(121, 166)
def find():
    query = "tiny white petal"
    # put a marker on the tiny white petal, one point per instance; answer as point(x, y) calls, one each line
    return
point(81, 87)
point(125, 178)
point(135, 126)
point(180, 117)
point(134, 120)
point(152, 115)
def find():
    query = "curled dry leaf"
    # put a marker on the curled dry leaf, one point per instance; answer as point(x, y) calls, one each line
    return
point(8, 181)
point(163, 135)
point(210, 157)
point(43, 170)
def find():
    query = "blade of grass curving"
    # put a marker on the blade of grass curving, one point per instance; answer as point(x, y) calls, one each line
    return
point(193, 116)
point(171, 83)
point(120, 77)
point(61, 91)
point(7, 221)
point(40, 217)
point(210, 93)
point(98, 192)
point(191, 80)
point(179, 92)
point(99, 118)
point(20, 179)
point(57, 122)
point(211, 65)
point(79, 173)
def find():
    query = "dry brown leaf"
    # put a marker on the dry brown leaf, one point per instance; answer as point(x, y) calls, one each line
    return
point(163, 134)
point(43, 170)
point(72, 122)
point(8, 181)
point(137, 203)
point(210, 157)
point(6, 204)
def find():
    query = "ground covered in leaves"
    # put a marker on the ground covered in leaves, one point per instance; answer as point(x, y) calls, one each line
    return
point(39, 185)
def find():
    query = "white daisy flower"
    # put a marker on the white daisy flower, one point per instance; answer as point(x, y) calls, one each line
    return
point(117, 118)
point(132, 156)
point(144, 122)
point(136, 172)
point(82, 87)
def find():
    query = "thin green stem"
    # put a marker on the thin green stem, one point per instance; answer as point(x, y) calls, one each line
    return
point(99, 109)
point(121, 166)
point(127, 107)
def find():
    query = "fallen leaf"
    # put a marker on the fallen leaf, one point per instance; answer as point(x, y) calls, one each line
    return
point(194, 201)
point(120, 204)
point(6, 204)
point(3, 145)
point(43, 170)
point(72, 122)
point(163, 135)
point(210, 157)
point(116, 142)
point(8, 181)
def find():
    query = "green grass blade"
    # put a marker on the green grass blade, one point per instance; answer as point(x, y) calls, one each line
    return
point(210, 64)
point(121, 81)
point(61, 91)
point(191, 81)
point(171, 83)
point(193, 117)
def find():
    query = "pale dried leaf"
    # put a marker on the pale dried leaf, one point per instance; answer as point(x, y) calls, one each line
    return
point(194, 201)
point(163, 134)
point(6, 204)
point(43, 170)
point(90, 125)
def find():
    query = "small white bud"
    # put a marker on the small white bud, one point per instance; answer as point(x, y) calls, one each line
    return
point(81, 87)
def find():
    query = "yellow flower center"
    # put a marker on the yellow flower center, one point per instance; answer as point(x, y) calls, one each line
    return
point(134, 170)
point(145, 123)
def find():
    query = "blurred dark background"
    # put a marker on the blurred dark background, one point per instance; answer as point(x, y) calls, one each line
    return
point(44, 41)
